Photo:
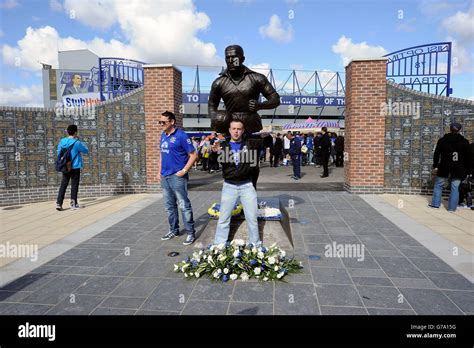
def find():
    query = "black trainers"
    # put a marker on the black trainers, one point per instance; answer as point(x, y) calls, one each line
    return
point(189, 239)
point(59, 207)
point(169, 235)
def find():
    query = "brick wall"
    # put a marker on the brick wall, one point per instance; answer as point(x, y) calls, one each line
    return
point(163, 91)
point(365, 126)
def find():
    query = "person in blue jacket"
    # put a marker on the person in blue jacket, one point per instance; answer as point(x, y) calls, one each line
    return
point(76, 166)
point(295, 153)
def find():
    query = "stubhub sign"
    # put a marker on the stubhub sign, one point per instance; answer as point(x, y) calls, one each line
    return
point(82, 99)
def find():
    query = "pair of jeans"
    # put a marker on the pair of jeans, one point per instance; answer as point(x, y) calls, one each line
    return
point(295, 160)
point(74, 175)
point(175, 193)
point(453, 195)
point(248, 196)
point(310, 156)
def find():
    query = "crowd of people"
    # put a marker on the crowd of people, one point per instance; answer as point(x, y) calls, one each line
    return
point(322, 149)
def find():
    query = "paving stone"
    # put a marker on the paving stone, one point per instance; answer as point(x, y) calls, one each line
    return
point(119, 269)
point(246, 308)
point(382, 297)
point(333, 310)
point(330, 275)
point(151, 270)
point(432, 265)
point(376, 242)
point(83, 305)
point(199, 307)
point(374, 281)
point(23, 309)
point(136, 287)
point(253, 292)
point(207, 289)
point(430, 302)
point(416, 252)
point(338, 295)
point(413, 283)
point(399, 267)
point(113, 311)
point(463, 299)
point(170, 295)
point(29, 282)
point(102, 285)
point(295, 299)
point(123, 302)
point(390, 311)
point(450, 281)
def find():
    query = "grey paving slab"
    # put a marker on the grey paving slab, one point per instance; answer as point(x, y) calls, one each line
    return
point(432, 265)
point(333, 310)
point(382, 297)
point(357, 262)
point(82, 305)
point(151, 312)
point(207, 289)
point(366, 272)
point(338, 295)
point(295, 299)
point(200, 307)
point(430, 302)
point(113, 311)
point(23, 309)
point(373, 242)
point(246, 308)
point(413, 283)
point(81, 270)
point(29, 282)
point(170, 295)
point(399, 267)
point(118, 268)
point(390, 311)
point(452, 281)
point(13, 296)
point(416, 252)
point(330, 275)
point(253, 292)
point(374, 281)
point(123, 302)
point(100, 285)
point(463, 299)
point(136, 287)
point(151, 270)
point(56, 290)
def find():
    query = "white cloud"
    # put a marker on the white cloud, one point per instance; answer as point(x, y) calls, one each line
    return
point(275, 31)
point(9, 4)
point(22, 96)
point(349, 50)
point(436, 7)
point(461, 58)
point(471, 98)
point(154, 32)
point(55, 5)
point(461, 24)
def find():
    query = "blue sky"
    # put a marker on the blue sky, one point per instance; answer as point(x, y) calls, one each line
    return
point(301, 34)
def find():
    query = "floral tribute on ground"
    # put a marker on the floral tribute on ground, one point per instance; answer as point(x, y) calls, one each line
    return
point(238, 260)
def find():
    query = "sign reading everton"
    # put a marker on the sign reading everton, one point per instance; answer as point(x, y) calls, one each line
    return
point(425, 68)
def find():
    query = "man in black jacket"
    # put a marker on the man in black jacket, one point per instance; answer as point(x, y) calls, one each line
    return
point(238, 156)
point(295, 153)
point(450, 160)
point(324, 144)
point(276, 151)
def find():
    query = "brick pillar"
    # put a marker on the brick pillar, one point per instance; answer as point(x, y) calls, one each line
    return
point(163, 91)
point(365, 125)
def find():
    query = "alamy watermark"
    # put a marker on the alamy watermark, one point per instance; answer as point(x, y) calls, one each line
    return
point(29, 251)
point(400, 109)
point(345, 251)
point(245, 155)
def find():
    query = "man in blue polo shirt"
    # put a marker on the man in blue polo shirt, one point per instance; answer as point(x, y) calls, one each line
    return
point(177, 157)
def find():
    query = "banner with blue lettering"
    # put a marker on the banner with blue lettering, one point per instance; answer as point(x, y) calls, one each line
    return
point(300, 100)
